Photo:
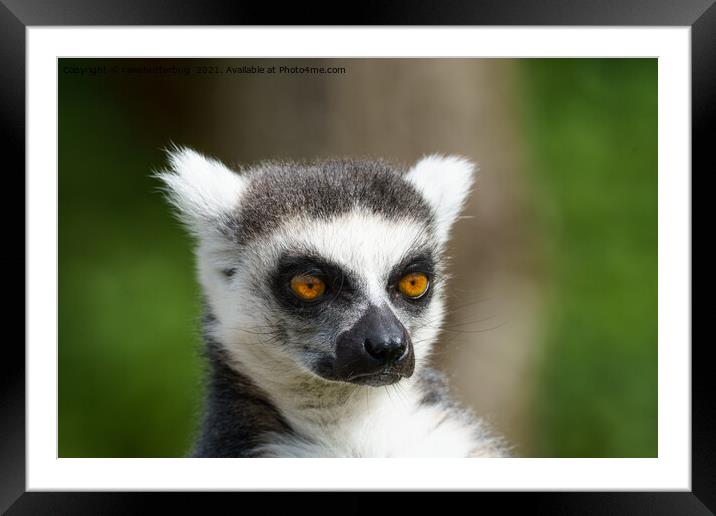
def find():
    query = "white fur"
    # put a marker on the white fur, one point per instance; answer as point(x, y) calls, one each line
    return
point(201, 188)
point(379, 422)
point(445, 183)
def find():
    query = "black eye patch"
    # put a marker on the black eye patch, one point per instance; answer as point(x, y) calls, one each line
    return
point(417, 262)
point(339, 283)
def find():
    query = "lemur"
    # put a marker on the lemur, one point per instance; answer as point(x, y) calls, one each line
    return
point(324, 287)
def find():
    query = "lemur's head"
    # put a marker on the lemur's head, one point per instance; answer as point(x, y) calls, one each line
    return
point(331, 269)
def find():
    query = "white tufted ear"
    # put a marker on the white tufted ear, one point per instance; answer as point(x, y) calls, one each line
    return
point(445, 183)
point(202, 189)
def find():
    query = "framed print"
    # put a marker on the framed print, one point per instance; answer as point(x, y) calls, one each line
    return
point(435, 251)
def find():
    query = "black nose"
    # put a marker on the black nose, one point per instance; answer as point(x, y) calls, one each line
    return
point(376, 350)
point(386, 351)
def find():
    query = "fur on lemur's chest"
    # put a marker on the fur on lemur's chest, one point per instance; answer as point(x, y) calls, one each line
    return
point(393, 424)
point(416, 419)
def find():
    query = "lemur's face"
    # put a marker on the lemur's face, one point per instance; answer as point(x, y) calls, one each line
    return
point(332, 270)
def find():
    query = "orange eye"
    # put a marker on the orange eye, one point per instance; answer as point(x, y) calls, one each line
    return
point(413, 285)
point(308, 287)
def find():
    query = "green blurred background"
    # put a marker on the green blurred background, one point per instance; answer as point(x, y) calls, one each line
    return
point(565, 209)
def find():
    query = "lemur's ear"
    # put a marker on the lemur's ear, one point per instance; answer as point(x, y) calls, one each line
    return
point(202, 189)
point(445, 183)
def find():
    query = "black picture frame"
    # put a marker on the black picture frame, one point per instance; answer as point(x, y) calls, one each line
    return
point(17, 15)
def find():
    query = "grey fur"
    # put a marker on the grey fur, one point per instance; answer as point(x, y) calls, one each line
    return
point(279, 191)
point(236, 413)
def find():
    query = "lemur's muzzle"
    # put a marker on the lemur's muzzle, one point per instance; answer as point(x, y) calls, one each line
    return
point(376, 351)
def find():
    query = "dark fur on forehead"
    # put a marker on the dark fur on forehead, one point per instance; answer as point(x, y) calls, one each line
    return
point(278, 191)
